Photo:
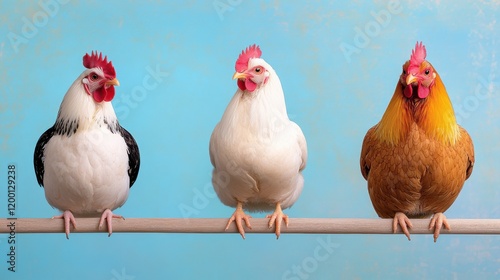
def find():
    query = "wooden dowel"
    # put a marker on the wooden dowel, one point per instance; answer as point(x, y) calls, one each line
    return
point(259, 225)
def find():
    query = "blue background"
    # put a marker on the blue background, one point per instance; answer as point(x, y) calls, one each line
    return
point(333, 95)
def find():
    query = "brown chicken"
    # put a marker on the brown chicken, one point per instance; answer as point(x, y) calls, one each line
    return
point(417, 158)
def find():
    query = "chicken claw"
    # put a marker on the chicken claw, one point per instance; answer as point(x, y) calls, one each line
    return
point(277, 217)
point(437, 221)
point(237, 216)
point(108, 215)
point(68, 218)
point(403, 221)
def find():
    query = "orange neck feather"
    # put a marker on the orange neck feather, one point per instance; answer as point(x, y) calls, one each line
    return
point(434, 115)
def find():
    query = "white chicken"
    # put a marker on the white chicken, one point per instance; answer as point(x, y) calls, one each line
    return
point(86, 161)
point(258, 154)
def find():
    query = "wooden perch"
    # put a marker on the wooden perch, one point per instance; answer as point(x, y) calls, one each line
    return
point(259, 225)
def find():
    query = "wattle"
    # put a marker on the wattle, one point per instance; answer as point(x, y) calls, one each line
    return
point(423, 91)
point(408, 91)
point(247, 84)
point(104, 94)
point(241, 84)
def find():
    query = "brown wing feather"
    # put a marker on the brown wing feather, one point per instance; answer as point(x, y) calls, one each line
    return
point(418, 176)
point(365, 149)
point(469, 149)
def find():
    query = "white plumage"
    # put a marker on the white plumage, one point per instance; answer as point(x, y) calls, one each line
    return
point(80, 179)
point(258, 154)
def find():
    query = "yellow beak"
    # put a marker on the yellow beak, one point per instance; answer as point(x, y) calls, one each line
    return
point(238, 75)
point(113, 82)
point(410, 79)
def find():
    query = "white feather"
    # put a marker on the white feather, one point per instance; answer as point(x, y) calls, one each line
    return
point(257, 152)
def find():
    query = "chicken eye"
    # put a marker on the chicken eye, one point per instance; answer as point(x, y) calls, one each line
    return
point(427, 72)
point(404, 72)
point(93, 76)
point(257, 70)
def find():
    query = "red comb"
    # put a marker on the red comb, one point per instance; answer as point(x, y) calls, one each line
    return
point(95, 60)
point(252, 51)
point(417, 56)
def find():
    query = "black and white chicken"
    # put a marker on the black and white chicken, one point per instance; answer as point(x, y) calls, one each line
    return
point(86, 161)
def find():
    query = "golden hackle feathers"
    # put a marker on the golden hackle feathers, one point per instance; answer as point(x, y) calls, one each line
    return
point(434, 114)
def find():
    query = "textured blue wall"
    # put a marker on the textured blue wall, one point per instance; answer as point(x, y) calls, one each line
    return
point(338, 63)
